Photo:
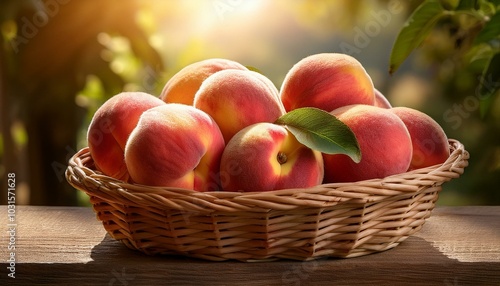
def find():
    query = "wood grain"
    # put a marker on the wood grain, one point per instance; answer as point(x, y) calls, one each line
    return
point(68, 246)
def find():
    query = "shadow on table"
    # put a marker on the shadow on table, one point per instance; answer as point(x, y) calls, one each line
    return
point(414, 261)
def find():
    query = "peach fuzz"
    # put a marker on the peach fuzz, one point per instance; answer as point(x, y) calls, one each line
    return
point(182, 87)
point(110, 128)
point(430, 143)
point(269, 84)
point(327, 81)
point(265, 157)
point(381, 100)
point(237, 99)
point(175, 145)
point(384, 142)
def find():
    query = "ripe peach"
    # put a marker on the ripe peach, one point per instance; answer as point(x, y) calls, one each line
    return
point(265, 157)
point(110, 128)
point(327, 81)
point(237, 99)
point(184, 84)
point(430, 143)
point(384, 142)
point(381, 100)
point(175, 145)
point(269, 83)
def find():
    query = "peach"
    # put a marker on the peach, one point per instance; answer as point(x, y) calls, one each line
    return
point(182, 87)
point(384, 142)
point(237, 99)
point(381, 100)
point(175, 145)
point(265, 157)
point(272, 88)
point(327, 81)
point(110, 128)
point(430, 143)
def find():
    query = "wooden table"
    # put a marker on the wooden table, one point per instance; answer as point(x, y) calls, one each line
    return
point(68, 246)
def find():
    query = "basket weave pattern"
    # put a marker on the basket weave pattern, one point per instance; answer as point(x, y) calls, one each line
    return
point(329, 220)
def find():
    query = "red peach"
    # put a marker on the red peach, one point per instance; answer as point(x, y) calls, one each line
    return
point(272, 88)
point(237, 99)
point(265, 157)
point(430, 143)
point(182, 87)
point(327, 81)
point(175, 145)
point(381, 100)
point(110, 128)
point(384, 142)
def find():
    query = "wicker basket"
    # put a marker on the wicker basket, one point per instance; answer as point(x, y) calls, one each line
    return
point(330, 220)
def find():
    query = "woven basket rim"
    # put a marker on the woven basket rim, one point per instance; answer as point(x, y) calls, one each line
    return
point(82, 175)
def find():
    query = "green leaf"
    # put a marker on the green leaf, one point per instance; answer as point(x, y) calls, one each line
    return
point(478, 57)
point(467, 5)
point(486, 7)
point(415, 30)
point(490, 30)
point(495, 2)
point(489, 84)
point(321, 131)
point(450, 4)
point(252, 68)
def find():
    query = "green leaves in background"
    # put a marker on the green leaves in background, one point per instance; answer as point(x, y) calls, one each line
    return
point(489, 84)
point(415, 30)
point(321, 131)
point(487, 16)
point(490, 31)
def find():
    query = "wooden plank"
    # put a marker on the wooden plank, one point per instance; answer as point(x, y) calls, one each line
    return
point(468, 234)
point(67, 245)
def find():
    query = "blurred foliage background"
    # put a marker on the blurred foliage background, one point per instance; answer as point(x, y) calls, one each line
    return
point(61, 59)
